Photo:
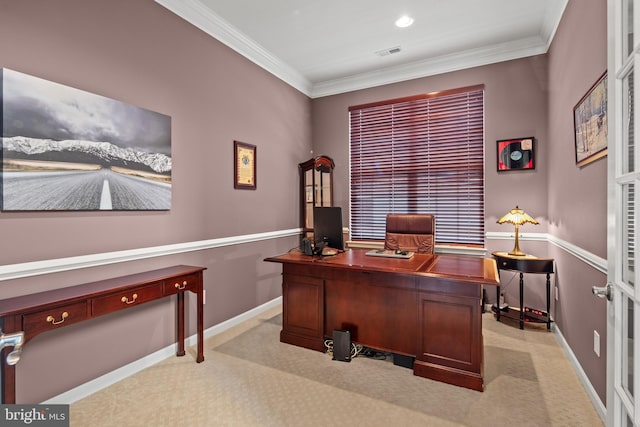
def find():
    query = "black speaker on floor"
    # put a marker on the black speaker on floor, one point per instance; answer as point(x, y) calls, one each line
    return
point(341, 345)
point(404, 361)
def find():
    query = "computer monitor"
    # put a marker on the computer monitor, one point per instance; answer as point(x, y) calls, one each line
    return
point(327, 227)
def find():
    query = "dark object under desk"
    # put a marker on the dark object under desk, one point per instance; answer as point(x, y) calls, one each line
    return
point(524, 264)
point(426, 307)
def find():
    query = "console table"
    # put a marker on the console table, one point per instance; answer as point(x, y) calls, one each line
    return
point(524, 264)
point(426, 307)
point(45, 311)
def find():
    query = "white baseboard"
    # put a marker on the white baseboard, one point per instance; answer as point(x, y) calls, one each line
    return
point(591, 392)
point(93, 386)
point(104, 381)
point(14, 271)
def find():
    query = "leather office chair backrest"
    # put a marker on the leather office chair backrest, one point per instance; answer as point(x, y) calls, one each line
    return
point(410, 232)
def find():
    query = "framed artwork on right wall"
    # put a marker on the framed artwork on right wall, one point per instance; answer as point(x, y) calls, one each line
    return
point(590, 123)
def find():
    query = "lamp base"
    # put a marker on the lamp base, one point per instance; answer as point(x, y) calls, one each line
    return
point(516, 248)
point(516, 253)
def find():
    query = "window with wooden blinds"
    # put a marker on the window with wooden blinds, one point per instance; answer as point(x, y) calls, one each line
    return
point(423, 154)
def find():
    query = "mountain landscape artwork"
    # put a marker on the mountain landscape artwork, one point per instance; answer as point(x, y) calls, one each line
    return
point(65, 149)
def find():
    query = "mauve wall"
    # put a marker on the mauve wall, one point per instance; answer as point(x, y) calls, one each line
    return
point(577, 197)
point(141, 53)
point(526, 97)
point(515, 105)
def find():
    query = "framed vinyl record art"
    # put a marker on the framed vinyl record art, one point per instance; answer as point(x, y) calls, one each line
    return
point(516, 154)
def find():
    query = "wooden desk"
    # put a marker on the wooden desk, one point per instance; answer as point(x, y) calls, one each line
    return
point(427, 307)
point(525, 264)
point(46, 311)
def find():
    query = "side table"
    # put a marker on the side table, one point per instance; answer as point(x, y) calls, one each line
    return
point(524, 264)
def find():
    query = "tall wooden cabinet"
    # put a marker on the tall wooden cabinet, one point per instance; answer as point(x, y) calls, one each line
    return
point(316, 188)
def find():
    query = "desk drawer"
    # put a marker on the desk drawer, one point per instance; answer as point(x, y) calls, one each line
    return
point(125, 299)
point(52, 318)
point(180, 284)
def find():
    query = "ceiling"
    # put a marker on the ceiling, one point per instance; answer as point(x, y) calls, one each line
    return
point(333, 46)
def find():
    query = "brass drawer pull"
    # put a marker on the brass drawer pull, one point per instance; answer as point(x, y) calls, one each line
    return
point(126, 300)
point(181, 287)
point(52, 320)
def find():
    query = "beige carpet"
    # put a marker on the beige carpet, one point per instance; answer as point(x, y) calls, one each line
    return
point(249, 378)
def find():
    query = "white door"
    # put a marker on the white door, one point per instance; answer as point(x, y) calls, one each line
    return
point(623, 352)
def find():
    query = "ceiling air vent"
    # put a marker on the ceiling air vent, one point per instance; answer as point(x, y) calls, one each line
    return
point(388, 51)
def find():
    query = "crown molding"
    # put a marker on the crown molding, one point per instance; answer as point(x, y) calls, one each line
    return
point(194, 12)
point(552, 20)
point(197, 14)
point(432, 66)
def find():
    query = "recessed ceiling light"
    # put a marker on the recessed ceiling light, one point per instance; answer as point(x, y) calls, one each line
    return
point(404, 21)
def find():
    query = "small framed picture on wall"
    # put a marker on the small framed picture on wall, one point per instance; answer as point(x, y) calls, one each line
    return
point(516, 154)
point(244, 158)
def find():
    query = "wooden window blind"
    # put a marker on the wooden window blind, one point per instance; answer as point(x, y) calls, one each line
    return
point(423, 154)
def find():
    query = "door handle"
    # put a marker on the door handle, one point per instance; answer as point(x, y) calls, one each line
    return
point(603, 291)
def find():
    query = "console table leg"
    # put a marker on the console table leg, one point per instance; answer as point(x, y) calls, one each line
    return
point(8, 372)
point(180, 324)
point(200, 357)
point(8, 380)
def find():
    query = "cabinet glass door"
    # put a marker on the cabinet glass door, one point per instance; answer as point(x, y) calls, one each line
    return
point(316, 185)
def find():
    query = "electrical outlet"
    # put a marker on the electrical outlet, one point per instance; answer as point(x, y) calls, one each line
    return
point(596, 343)
point(557, 293)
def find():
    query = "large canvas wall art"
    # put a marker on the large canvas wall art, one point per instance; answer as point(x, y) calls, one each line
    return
point(64, 149)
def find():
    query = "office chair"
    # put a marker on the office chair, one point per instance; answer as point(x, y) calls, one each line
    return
point(410, 232)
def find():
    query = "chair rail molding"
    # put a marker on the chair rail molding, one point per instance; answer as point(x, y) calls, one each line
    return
point(585, 256)
point(35, 268)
